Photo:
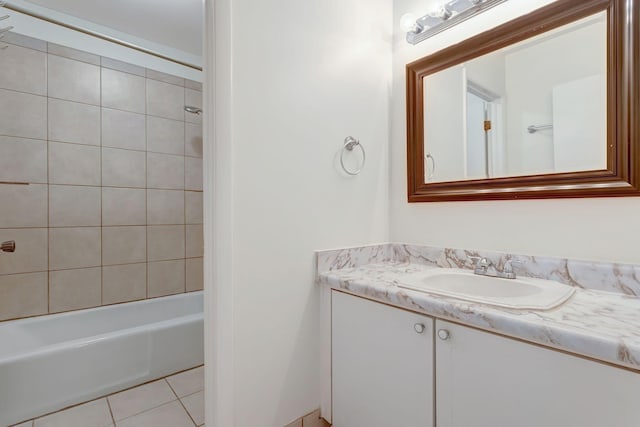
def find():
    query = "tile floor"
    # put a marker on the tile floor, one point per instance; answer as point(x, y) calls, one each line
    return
point(174, 401)
point(310, 420)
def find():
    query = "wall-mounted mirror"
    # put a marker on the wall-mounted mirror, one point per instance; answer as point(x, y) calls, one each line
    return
point(535, 108)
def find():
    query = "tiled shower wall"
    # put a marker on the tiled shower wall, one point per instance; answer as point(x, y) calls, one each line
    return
point(102, 181)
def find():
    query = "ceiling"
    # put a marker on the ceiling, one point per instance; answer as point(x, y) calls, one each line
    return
point(176, 23)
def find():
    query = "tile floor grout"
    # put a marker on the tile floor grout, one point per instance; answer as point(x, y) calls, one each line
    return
point(153, 406)
point(188, 413)
point(181, 402)
point(110, 411)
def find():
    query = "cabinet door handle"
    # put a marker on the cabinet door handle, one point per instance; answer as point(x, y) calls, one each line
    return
point(444, 334)
point(419, 328)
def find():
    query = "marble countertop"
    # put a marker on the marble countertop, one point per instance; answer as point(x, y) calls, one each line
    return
point(600, 325)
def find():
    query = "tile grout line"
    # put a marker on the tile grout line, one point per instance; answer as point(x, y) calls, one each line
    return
point(46, 62)
point(181, 403)
point(101, 203)
point(157, 405)
point(110, 410)
point(184, 195)
point(146, 181)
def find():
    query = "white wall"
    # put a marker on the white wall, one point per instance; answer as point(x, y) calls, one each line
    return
point(597, 229)
point(304, 76)
point(444, 130)
point(488, 71)
point(532, 72)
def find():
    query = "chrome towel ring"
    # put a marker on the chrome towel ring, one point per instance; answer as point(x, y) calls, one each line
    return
point(349, 143)
point(433, 166)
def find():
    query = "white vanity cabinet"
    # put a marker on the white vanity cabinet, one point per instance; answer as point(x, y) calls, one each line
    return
point(485, 380)
point(384, 374)
point(382, 365)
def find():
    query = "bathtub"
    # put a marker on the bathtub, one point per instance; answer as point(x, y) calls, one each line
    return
point(50, 362)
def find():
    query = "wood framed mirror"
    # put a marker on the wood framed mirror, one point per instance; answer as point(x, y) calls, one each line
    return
point(544, 106)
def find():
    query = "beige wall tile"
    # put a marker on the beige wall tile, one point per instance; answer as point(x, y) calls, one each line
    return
point(166, 278)
point(165, 207)
point(78, 55)
point(123, 91)
point(163, 77)
point(165, 100)
point(165, 135)
point(188, 382)
point(25, 424)
point(123, 168)
point(73, 80)
point(74, 206)
point(74, 164)
point(23, 295)
point(195, 241)
point(124, 206)
point(191, 84)
point(23, 160)
point(122, 129)
point(31, 253)
point(114, 64)
point(140, 399)
point(23, 206)
point(124, 245)
point(92, 414)
point(195, 274)
point(193, 140)
point(23, 115)
point(192, 98)
point(165, 242)
point(74, 289)
point(122, 283)
point(165, 171)
point(24, 70)
point(74, 122)
point(168, 415)
point(194, 404)
point(193, 173)
point(74, 247)
point(25, 41)
point(193, 207)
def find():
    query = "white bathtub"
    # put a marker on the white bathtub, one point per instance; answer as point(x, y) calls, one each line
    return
point(48, 363)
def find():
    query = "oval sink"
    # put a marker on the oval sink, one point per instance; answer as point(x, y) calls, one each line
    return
point(520, 293)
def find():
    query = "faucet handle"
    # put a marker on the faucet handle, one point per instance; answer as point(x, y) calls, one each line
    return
point(483, 265)
point(507, 269)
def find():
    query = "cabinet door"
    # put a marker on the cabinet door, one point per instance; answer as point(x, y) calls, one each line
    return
point(484, 380)
point(382, 365)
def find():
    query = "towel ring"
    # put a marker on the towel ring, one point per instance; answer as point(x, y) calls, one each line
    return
point(433, 166)
point(349, 143)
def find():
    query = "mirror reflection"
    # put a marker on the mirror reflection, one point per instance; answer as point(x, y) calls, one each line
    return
point(535, 107)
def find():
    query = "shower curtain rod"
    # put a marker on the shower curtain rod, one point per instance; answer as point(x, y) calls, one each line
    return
point(99, 35)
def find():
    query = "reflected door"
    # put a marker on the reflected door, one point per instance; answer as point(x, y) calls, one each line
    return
point(478, 125)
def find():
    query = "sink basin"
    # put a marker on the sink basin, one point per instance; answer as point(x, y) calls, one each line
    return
point(520, 293)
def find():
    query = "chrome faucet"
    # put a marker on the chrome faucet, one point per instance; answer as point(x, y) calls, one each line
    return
point(484, 267)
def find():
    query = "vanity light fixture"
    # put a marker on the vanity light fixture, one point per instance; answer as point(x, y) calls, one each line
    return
point(446, 16)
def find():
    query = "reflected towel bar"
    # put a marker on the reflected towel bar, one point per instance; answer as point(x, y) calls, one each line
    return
point(534, 129)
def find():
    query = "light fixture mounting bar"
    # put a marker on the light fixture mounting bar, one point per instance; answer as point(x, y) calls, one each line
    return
point(414, 37)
